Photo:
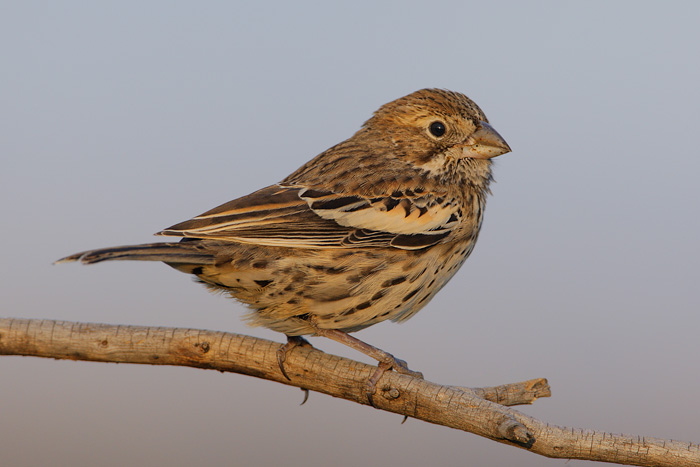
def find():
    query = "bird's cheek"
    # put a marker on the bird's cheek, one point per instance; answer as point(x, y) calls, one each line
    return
point(434, 165)
point(456, 153)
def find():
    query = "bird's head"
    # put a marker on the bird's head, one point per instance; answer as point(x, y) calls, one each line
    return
point(435, 129)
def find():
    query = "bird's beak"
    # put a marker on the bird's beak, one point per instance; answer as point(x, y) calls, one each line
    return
point(485, 143)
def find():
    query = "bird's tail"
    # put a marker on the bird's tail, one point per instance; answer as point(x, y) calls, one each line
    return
point(174, 253)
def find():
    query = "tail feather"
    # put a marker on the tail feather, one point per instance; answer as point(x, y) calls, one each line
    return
point(180, 253)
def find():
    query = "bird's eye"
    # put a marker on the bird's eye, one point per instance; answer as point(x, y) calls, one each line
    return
point(437, 129)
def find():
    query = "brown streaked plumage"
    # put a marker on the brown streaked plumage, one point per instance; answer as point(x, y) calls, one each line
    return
point(369, 230)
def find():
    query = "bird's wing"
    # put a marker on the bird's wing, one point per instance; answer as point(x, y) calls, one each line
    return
point(292, 216)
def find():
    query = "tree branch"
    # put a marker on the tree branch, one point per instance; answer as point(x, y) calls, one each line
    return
point(480, 411)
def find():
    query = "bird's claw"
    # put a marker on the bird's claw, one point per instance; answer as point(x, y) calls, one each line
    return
point(292, 341)
point(306, 396)
point(401, 367)
point(397, 365)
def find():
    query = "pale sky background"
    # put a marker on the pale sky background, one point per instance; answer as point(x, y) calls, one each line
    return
point(119, 119)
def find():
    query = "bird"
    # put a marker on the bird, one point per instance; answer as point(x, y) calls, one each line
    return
point(367, 231)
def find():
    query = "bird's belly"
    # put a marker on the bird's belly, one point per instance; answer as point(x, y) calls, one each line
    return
point(349, 290)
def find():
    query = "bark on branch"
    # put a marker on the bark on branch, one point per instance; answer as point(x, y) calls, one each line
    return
point(481, 411)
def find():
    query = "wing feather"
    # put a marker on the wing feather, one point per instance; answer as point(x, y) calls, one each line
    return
point(300, 217)
point(398, 213)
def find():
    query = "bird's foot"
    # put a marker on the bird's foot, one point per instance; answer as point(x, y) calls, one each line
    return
point(385, 359)
point(292, 342)
point(388, 363)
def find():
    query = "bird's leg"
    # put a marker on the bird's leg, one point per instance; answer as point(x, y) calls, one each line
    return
point(292, 341)
point(385, 359)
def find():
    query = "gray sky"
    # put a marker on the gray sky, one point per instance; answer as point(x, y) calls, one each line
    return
point(120, 119)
